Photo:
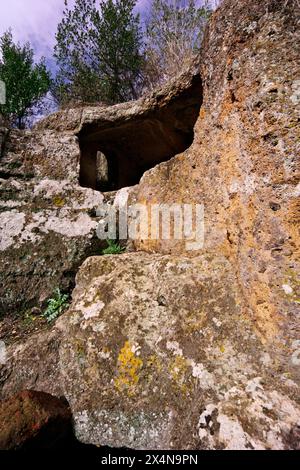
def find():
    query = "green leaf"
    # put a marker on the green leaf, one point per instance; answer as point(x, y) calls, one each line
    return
point(56, 305)
point(113, 248)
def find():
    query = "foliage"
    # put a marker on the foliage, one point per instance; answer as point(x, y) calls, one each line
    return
point(98, 45)
point(174, 32)
point(56, 305)
point(113, 248)
point(26, 82)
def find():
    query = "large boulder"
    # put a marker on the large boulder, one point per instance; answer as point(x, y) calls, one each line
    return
point(158, 353)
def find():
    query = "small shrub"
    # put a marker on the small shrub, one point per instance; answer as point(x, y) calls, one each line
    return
point(56, 305)
point(113, 248)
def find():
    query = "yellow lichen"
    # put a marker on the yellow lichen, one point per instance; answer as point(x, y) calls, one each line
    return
point(154, 362)
point(58, 201)
point(178, 369)
point(129, 366)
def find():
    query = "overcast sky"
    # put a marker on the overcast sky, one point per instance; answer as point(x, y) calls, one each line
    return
point(36, 21)
point(32, 20)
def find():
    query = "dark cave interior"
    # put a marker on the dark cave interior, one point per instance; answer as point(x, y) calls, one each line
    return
point(131, 147)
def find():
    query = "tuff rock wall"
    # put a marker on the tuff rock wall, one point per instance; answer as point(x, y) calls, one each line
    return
point(165, 348)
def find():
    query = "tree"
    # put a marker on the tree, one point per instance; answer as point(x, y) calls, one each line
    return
point(26, 82)
point(97, 50)
point(174, 31)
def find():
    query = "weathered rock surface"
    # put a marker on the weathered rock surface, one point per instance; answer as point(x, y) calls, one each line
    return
point(158, 353)
point(33, 420)
point(47, 219)
point(199, 349)
point(244, 165)
point(32, 365)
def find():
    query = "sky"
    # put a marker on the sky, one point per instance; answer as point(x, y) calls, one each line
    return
point(36, 21)
point(32, 20)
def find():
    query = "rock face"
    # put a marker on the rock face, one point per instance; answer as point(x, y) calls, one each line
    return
point(167, 348)
point(48, 176)
point(47, 220)
point(158, 353)
point(243, 165)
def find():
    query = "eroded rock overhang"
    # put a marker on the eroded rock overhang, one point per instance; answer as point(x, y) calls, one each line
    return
point(133, 136)
point(133, 145)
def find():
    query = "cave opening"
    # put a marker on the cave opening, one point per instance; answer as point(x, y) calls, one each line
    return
point(116, 155)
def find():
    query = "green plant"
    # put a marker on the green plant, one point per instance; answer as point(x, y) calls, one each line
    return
point(98, 52)
point(26, 81)
point(56, 305)
point(113, 248)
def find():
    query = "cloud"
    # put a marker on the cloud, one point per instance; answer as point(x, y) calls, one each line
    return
point(36, 21)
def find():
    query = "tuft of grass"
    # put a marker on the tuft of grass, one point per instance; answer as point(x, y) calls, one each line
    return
point(113, 248)
point(56, 305)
